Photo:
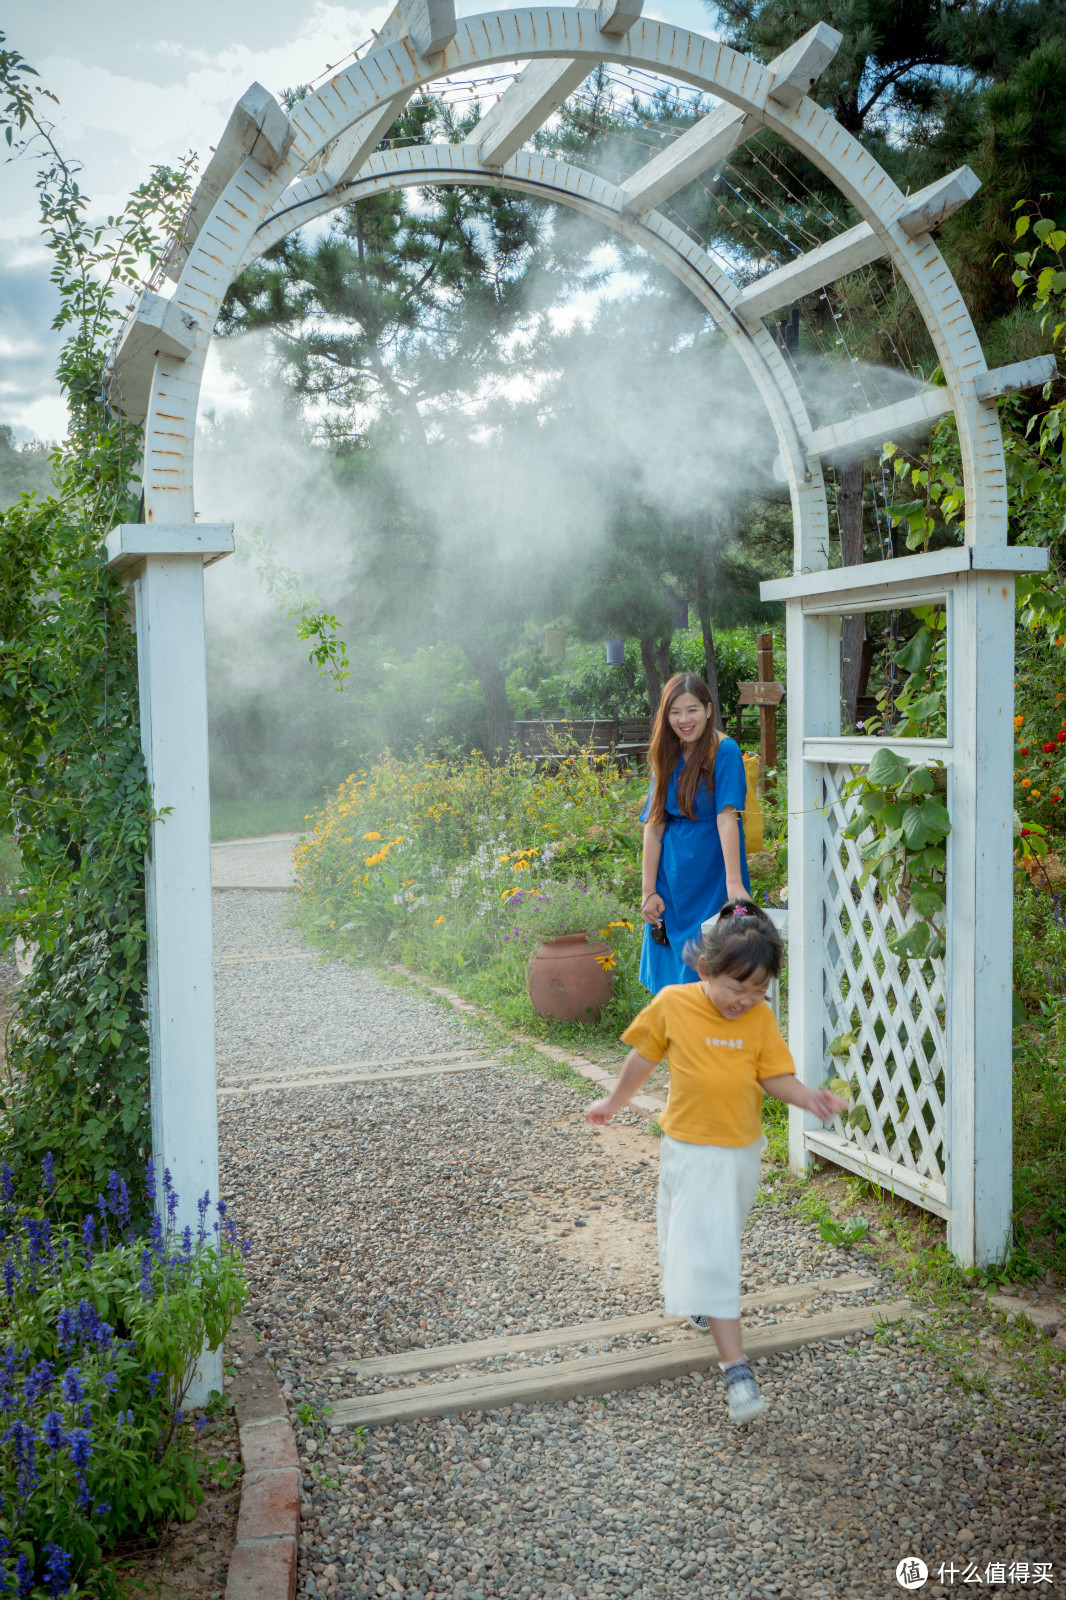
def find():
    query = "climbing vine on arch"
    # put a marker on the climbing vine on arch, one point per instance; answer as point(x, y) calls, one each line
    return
point(72, 781)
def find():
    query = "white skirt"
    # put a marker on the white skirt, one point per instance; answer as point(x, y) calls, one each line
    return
point(705, 1194)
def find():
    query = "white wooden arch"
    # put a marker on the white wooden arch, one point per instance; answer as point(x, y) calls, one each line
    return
point(271, 173)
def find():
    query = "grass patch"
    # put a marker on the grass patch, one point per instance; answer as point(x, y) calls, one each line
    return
point(248, 818)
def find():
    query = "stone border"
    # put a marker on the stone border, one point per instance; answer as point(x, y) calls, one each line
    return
point(587, 1069)
point(263, 1563)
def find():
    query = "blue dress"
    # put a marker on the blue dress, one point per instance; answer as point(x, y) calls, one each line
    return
point(691, 877)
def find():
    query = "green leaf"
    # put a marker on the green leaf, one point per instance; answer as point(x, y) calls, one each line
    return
point(927, 902)
point(887, 769)
point(935, 818)
point(917, 653)
point(914, 829)
point(926, 708)
point(920, 781)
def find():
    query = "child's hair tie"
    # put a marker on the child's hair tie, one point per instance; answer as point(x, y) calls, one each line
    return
point(740, 911)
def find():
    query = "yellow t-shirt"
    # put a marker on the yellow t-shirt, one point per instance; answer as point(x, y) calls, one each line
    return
point(716, 1065)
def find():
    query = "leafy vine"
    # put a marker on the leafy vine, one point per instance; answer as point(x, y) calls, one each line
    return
point(73, 787)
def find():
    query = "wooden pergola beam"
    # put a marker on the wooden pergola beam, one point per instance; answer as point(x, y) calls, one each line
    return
point(540, 90)
point(258, 128)
point(711, 139)
point(855, 248)
point(917, 412)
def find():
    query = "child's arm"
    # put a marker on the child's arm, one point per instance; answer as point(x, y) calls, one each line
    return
point(821, 1103)
point(636, 1071)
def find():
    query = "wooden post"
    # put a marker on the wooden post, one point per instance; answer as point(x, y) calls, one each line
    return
point(764, 643)
point(767, 695)
point(979, 916)
point(164, 566)
point(813, 647)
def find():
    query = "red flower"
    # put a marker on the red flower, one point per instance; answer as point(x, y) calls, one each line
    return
point(1026, 832)
point(1054, 799)
point(1061, 736)
point(1049, 749)
point(1024, 751)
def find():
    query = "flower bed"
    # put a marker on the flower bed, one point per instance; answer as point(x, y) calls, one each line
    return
point(102, 1328)
point(458, 868)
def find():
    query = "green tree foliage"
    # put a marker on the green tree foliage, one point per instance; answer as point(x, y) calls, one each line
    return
point(24, 469)
point(72, 780)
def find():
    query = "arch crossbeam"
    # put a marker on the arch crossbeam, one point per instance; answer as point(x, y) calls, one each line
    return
point(794, 73)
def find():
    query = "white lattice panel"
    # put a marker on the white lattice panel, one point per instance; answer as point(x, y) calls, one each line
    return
point(896, 1008)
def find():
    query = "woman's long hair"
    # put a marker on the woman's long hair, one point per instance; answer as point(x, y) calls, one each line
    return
point(665, 750)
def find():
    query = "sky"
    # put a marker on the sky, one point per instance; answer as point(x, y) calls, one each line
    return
point(145, 83)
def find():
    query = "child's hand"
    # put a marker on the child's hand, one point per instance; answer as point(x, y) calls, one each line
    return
point(600, 1112)
point(823, 1104)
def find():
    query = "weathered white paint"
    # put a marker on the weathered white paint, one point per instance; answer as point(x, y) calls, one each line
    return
point(872, 428)
point(715, 135)
point(618, 16)
point(813, 652)
point(861, 751)
point(168, 596)
point(846, 253)
point(156, 324)
point(1019, 375)
point(257, 130)
point(979, 916)
point(877, 583)
point(538, 91)
point(927, 209)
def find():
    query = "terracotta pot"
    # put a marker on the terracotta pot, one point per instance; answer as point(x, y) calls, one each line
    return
point(565, 980)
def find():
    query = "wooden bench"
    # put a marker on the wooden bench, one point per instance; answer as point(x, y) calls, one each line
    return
point(559, 740)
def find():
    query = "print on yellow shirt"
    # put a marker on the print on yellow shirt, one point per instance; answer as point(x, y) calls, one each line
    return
point(716, 1064)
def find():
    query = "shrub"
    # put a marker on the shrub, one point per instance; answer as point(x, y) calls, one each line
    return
point(102, 1327)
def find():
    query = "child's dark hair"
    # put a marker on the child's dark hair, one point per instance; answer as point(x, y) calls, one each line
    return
point(740, 942)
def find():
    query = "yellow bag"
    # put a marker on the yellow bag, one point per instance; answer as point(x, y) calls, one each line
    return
point(753, 818)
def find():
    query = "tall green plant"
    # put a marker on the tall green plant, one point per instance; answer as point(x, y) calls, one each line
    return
point(72, 781)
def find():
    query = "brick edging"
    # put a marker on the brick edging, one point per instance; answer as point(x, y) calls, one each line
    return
point(587, 1069)
point(263, 1563)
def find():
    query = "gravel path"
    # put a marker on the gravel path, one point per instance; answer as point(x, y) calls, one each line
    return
point(391, 1216)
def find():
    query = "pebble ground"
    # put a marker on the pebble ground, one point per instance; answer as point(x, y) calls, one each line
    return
point(397, 1215)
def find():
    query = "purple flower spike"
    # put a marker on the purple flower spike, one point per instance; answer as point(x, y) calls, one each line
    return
point(48, 1172)
point(56, 1570)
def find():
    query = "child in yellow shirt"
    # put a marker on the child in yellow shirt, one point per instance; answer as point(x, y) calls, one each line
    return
point(724, 1050)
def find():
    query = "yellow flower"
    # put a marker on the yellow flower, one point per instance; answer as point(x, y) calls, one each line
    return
point(1035, 795)
point(438, 922)
point(521, 866)
point(607, 962)
point(371, 836)
point(1027, 783)
point(1018, 721)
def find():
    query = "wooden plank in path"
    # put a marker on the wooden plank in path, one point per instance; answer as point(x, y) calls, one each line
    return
point(452, 1355)
point(602, 1374)
point(257, 961)
point(357, 1066)
point(361, 1077)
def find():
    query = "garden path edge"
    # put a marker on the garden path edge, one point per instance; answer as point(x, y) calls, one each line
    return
point(263, 1563)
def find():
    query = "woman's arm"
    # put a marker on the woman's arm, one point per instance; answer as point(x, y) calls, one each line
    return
point(729, 834)
point(636, 1071)
point(651, 904)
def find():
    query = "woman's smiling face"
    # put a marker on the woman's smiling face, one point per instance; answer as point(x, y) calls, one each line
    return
point(689, 718)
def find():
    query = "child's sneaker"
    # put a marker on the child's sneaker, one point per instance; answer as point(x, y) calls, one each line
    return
point(701, 1324)
point(742, 1392)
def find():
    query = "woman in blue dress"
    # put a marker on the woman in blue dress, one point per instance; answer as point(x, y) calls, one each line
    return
point(693, 859)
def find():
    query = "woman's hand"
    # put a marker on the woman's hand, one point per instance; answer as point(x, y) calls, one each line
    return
point(653, 907)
